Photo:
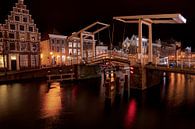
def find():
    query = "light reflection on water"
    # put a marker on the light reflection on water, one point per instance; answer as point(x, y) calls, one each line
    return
point(52, 101)
point(37, 106)
point(180, 89)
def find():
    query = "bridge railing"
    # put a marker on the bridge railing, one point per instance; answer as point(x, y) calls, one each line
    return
point(109, 55)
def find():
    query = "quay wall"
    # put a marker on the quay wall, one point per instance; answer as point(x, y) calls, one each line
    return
point(80, 71)
point(144, 78)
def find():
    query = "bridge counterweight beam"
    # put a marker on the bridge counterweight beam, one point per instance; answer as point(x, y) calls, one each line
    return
point(150, 56)
point(140, 40)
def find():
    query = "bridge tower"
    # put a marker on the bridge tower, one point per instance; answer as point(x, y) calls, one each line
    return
point(149, 20)
point(86, 34)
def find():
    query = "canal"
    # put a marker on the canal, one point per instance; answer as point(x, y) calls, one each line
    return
point(34, 105)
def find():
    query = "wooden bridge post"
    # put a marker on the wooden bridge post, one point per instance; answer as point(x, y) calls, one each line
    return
point(126, 86)
point(118, 88)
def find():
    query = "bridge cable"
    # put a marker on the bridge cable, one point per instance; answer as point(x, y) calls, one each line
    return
point(112, 34)
point(124, 31)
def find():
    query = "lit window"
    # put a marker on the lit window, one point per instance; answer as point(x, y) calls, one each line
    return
point(75, 45)
point(70, 44)
point(75, 51)
point(70, 51)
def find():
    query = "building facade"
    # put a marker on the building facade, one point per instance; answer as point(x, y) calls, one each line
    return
point(19, 40)
point(131, 45)
point(101, 49)
point(61, 50)
point(58, 50)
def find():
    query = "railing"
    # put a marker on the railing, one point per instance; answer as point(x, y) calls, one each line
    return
point(60, 77)
point(111, 55)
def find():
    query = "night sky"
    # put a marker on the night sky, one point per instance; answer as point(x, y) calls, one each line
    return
point(65, 17)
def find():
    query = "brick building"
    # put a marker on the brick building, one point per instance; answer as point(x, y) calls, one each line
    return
point(19, 40)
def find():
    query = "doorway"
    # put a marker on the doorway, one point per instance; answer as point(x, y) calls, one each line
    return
point(13, 65)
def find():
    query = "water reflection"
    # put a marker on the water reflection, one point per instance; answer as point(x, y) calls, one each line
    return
point(131, 114)
point(52, 101)
point(83, 105)
point(180, 89)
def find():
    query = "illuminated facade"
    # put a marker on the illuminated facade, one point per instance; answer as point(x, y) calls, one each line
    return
point(57, 50)
point(131, 45)
point(61, 50)
point(19, 40)
point(101, 49)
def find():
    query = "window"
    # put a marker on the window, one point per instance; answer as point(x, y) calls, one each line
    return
point(75, 51)
point(63, 50)
point(79, 45)
point(34, 60)
point(70, 44)
point(25, 19)
point(23, 47)
point(53, 41)
point(34, 47)
point(58, 41)
point(21, 27)
point(1, 35)
point(24, 60)
point(11, 35)
point(53, 47)
point(32, 38)
point(12, 46)
point(75, 44)
point(12, 27)
point(31, 29)
point(70, 51)
point(58, 49)
point(79, 52)
point(17, 18)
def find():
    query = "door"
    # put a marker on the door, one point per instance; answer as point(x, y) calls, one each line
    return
point(13, 64)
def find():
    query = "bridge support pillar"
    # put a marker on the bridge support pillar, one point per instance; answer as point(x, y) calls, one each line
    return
point(126, 87)
point(143, 78)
